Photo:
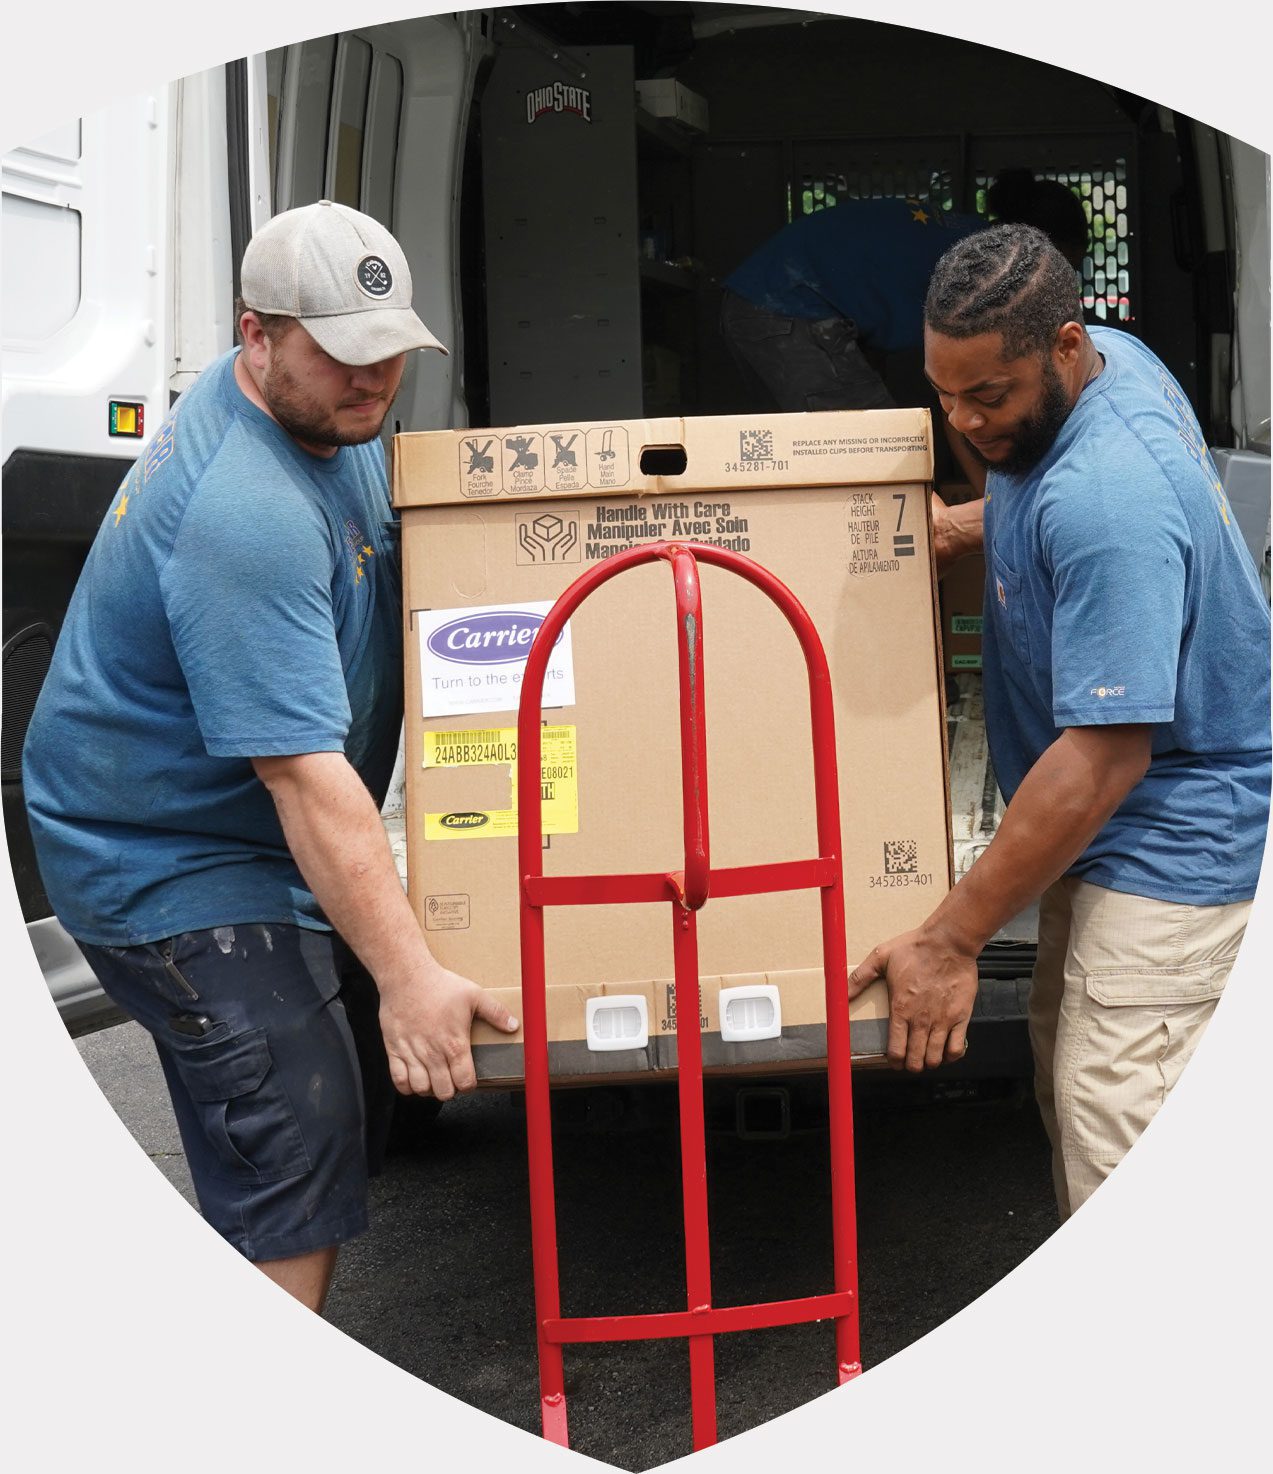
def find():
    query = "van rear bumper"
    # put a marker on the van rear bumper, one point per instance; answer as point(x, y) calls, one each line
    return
point(73, 984)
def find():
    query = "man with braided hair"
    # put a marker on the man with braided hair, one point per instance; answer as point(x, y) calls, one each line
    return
point(1128, 721)
point(805, 309)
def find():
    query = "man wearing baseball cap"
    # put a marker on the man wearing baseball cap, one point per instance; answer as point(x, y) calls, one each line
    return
point(206, 763)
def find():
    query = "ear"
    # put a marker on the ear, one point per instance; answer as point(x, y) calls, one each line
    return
point(255, 343)
point(1068, 344)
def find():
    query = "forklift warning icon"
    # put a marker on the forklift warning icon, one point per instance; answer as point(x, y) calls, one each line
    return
point(547, 538)
point(479, 458)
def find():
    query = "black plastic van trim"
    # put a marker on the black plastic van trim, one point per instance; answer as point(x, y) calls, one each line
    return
point(52, 496)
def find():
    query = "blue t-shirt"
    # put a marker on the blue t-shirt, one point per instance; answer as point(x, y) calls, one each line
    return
point(867, 260)
point(242, 599)
point(1119, 590)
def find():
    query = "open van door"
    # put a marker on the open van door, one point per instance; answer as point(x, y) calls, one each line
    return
point(122, 237)
point(1244, 468)
point(87, 348)
point(377, 119)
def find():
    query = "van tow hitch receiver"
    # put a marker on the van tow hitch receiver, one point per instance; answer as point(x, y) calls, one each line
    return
point(686, 890)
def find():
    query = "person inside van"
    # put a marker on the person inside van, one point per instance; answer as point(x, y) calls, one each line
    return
point(1126, 697)
point(813, 312)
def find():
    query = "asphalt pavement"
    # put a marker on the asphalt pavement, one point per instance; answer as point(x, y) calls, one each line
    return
point(953, 1191)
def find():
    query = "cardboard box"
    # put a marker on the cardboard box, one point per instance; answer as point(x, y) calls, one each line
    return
point(962, 594)
point(664, 97)
point(495, 525)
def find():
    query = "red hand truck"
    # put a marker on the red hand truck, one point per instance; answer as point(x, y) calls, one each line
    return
point(686, 890)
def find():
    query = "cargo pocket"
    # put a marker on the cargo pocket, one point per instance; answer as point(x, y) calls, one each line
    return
point(246, 1114)
point(760, 327)
point(1167, 987)
point(1153, 1019)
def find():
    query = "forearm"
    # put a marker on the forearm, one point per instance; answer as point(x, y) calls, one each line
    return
point(1062, 804)
point(957, 532)
point(336, 837)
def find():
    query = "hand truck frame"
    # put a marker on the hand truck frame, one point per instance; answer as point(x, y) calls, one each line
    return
point(686, 890)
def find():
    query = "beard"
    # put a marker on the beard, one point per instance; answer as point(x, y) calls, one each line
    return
point(1034, 437)
point(301, 415)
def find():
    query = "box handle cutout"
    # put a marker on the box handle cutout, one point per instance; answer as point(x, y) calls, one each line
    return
point(663, 460)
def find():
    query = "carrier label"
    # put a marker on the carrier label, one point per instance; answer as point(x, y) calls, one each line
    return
point(472, 660)
point(497, 747)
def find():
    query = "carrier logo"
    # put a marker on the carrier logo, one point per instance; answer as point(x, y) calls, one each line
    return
point(470, 820)
point(494, 637)
point(374, 277)
point(558, 98)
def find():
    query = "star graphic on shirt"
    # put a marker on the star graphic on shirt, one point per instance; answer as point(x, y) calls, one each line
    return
point(358, 575)
point(122, 508)
point(920, 216)
point(370, 552)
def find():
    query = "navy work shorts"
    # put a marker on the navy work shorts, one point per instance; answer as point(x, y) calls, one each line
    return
point(269, 1040)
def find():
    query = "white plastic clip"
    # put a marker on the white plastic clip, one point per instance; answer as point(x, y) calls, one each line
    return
point(750, 1013)
point(621, 1021)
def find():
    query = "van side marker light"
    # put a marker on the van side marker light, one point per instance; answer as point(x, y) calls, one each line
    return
point(127, 418)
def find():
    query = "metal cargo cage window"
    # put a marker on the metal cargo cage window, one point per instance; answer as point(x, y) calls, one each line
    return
point(955, 173)
point(1107, 268)
point(825, 172)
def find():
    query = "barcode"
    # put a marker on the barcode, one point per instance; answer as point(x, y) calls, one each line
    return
point(756, 445)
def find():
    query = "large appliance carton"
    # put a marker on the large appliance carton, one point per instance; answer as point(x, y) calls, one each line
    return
point(962, 597)
point(496, 523)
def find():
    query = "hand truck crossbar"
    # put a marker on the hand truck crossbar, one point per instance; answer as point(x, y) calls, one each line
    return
point(654, 885)
point(713, 1319)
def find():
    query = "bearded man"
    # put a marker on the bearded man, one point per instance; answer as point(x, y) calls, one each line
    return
point(208, 756)
point(1126, 682)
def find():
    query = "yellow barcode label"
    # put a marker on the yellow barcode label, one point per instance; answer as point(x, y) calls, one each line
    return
point(497, 746)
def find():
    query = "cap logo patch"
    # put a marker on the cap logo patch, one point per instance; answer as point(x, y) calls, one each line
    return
point(374, 277)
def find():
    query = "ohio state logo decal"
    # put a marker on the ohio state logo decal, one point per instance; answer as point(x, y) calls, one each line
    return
point(558, 98)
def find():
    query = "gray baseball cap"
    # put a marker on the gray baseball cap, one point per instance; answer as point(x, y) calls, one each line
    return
point(342, 276)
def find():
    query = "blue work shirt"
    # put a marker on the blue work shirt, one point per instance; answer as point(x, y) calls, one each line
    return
point(867, 260)
point(242, 599)
point(1119, 590)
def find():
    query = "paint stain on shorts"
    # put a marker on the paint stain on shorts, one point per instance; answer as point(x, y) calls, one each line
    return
point(223, 936)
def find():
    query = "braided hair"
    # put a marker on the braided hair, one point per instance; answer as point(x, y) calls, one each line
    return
point(1009, 279)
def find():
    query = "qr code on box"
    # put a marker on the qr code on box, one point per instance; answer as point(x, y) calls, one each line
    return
point(756, 445)
point(901, 857)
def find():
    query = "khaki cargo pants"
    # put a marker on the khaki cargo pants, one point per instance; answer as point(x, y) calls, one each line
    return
point(1122, 990)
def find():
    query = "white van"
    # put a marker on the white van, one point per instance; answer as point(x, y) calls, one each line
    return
point(570, 184)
